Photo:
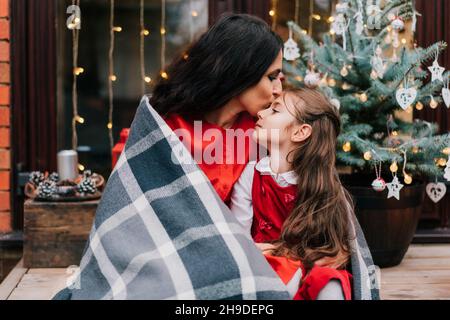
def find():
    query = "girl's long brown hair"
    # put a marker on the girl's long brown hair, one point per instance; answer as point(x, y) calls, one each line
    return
point(319, 225)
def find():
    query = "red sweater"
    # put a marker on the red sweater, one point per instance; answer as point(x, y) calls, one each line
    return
point(272, 204)
point(223, 173)
point(312, 283)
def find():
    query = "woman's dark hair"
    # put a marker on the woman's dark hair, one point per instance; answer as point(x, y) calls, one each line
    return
point(229, 58)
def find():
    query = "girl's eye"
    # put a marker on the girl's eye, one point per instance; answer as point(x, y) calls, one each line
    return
point(274, 111)
point(272, 78)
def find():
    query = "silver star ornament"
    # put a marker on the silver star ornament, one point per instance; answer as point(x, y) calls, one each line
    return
point(436, 71)
point(394, 188)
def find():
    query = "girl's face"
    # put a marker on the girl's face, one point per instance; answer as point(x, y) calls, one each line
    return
point(277, 125)
point(265, 91)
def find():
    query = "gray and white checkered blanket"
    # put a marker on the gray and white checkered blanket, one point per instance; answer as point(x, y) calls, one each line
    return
point(162, 232)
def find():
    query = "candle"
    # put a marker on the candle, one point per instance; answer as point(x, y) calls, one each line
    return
point(68, 165)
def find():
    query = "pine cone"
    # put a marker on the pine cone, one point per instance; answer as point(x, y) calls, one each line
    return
point(54, 177)
point(87, 186)
point(36, 177)
point(47, 189)
point(87, 174)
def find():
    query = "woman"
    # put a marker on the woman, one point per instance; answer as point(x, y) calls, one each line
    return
point(224, 79)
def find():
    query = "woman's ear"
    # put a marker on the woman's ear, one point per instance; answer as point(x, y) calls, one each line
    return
point(301, 132)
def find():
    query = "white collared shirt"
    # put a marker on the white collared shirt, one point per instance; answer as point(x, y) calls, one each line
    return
point(241, 198)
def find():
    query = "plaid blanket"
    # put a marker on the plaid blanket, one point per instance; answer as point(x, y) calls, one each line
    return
point(162, 232)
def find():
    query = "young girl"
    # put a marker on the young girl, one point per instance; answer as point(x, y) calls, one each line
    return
point(293, 198)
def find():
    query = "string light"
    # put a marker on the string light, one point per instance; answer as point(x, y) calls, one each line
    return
point(347, 147)
point(163, 39)
point(194, 13)
point(442, 162)
point(273, 13)
point(112, 77)
point(446, 151)
point(406, 177)
point(332, 32)
point(316, 17)
point(345, 86)
point(81, 167)
point(330, 19)
point(144, 77)
point(76, 72)
point(419, 105)
point(415, 149)
point(393, 167)
point(433, 103)
point(394, 133)
point(331, 82)
point(363, 97)
point(344, 71)
point(367, 155)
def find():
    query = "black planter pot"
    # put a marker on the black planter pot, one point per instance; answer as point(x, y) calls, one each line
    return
point(388, 224)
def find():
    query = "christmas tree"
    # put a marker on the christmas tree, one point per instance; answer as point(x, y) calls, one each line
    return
point(370, 74)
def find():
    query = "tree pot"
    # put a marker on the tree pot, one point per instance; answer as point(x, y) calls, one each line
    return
point(388, 224)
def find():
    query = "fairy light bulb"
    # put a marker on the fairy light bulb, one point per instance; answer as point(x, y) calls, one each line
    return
point(345, 86)
point(415, 149)
point(374, 75)
point(433, 103)
point(419, 105)
point(163, 31)
point(79, 119)
point(113, 78)
point(407, 178)
point(194, 13)
point(330, 19)
point(145, 32)
point(332, 31)
point(331, 82)
point(147, 79)
point(117, 29)
point(272, 13)
point(164, 75)
point(442, 162)
point(446, 151)
point(363, 97)
point(299, 78)
point(344, 71)
point(394, 133)
point(393, 167)
point(367, 155)
point(109, 125)
point(77, 71)
point(316, 17)
point(347, 147)
point(403, 41)
point(81, 167)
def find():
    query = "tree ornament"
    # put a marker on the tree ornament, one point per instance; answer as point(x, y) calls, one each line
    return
point(377, 64)
point(405, 97)
point(373, 12)
point(394, 188)
point(447, 170)
point(312, 79)
point(436, 191)
point(446, 94)
point(436, 70)
point(378, 184)
point(335, 102)
point(291, 51)
point(359, 25)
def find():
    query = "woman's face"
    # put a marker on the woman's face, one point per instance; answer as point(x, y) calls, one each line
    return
point(261, 95)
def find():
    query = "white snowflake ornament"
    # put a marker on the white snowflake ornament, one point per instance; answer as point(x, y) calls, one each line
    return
point(312, 79)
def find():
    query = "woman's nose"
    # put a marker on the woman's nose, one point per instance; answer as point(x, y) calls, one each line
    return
point(278, 85)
